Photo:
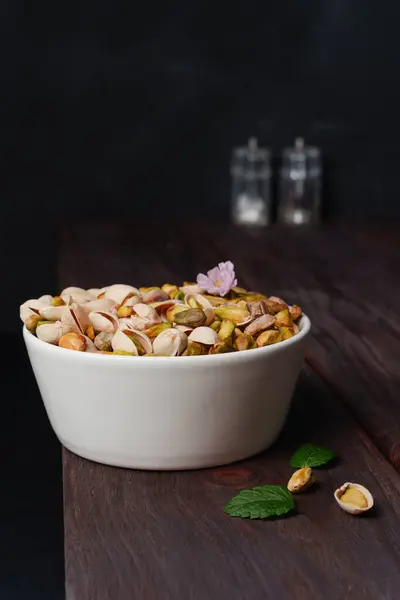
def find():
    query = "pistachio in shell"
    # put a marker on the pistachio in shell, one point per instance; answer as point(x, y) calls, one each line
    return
point(192, 317)
point(236, 314)
point(32, 322)
point(354, 498)
point(153, 331)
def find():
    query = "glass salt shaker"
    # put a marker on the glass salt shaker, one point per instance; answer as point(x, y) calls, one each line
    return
point(300, 185)
point(251, 178)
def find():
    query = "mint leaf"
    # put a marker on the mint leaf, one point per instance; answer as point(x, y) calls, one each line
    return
point(260, 502)
point(309, 455)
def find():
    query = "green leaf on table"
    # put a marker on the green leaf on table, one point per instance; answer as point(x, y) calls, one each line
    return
point(260, 502)
point(309, 455)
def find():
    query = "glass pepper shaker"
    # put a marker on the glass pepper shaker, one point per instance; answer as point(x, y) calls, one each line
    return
point(300, 185)
point(251, 178)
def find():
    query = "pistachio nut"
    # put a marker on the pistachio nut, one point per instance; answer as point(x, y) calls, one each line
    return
point(102, 341)
point(244, 341)
point(216, 300)
point(260, 324)
point(287, 332)
point(295, 312)
point(30, 307)
point(169, 288)
point(275, 304)
point(254, 297)
point(204, 335)
point(283, 318)
point(190, 288)
point(300, 480)
point(354, 498)
point(32, 322)
point(156, 295)
point(52, 313)
point(94, 292)
point(194, 349)
point(131, 300)
point(132, 341)
point(103, 321)
point(77, 294)
point(239, 291)
point(171, 342)
point(153, 331)
point(192, 317)
point(178, 295)
point(75, 317)
point(124, 319)
point(123, 353)
point(144, 311)
point(215, 325)
point(90, 332)
point(242, 304)
point(271, 336)
point(46, 299)
point(124, 311)
point(197, 301)
point(102, 304)
point(184, 328)
point(221, 348)
point(73, 341)
point(119, 292)
point(226, 330)
point(257, 308)
point(173, 310)
point(57, 301)
point(236, 314)
point(51, 332)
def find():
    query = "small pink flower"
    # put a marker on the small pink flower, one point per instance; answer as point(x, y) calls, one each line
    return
point(219, 280)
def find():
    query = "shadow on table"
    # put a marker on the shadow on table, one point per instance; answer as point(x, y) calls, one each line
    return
point(31, 528)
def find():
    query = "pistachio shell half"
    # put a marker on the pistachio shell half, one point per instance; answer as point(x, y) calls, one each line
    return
point(204, 335)
point(354, 498)
point(170, 342)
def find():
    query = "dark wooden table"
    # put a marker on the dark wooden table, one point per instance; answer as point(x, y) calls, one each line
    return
point(163, 535)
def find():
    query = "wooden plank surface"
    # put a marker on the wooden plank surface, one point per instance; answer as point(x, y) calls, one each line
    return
point(144, 535)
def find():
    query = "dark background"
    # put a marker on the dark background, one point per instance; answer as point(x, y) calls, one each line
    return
point(113, 109)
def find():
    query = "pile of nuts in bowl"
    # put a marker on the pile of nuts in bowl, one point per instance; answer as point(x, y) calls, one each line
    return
point(212, 316)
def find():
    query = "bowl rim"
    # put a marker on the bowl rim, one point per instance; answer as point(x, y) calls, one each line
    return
point(304, 326)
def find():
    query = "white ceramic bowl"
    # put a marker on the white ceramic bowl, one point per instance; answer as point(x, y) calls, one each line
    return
point(168, 412)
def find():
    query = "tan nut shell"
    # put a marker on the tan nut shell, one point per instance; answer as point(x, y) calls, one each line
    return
point(354, 510)
point(204, 335)
point(170, 342)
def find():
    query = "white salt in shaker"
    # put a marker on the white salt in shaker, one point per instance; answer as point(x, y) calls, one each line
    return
point(251, 185)
point(300, 185)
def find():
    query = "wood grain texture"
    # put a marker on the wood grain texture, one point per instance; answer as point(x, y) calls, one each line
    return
point(146, 535)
